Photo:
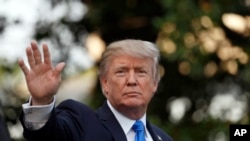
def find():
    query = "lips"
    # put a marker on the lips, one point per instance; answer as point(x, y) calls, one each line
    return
point(132, 93)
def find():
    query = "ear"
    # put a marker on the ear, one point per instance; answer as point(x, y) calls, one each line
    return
point(104, 85)
point(155, 86)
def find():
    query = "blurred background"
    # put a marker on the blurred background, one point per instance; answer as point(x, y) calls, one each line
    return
point(205, 47)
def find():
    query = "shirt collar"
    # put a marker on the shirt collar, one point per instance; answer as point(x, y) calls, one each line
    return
point(125, 122)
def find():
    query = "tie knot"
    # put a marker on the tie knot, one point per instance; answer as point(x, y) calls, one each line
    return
point(138, 126)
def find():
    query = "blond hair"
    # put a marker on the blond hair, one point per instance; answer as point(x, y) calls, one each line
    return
point(132, 47)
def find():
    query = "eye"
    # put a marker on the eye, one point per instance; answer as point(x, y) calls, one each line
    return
point(120, 73)
point(142, 72)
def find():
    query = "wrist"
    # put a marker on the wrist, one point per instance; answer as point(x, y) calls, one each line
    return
point(41, 101)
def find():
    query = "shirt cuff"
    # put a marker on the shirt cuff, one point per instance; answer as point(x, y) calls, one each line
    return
point(36, 114)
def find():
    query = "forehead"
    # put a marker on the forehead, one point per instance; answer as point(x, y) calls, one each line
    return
point(122, 60)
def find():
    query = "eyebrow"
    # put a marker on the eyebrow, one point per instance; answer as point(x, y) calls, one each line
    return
point(126, 67)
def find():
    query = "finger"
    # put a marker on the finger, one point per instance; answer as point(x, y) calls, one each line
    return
point(23, 66)
point(30, 57)
point(59, 68)
point(36, 53)
point(46, 54)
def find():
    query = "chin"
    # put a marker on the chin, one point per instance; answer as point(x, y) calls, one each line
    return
point(133, 103)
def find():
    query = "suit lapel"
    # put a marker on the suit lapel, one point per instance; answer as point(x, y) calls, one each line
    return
point(111, 123)
point(153, 134)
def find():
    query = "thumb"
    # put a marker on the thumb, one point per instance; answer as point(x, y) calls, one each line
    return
point(59, 67)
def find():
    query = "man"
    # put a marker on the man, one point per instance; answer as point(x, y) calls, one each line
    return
point(129, 77)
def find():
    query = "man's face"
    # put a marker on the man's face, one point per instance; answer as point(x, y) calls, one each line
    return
point(129, 82)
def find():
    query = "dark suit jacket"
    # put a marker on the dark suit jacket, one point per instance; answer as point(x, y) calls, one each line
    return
point(4, 133)
point(74, 121)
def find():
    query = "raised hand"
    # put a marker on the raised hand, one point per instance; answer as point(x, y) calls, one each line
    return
point(43, 80)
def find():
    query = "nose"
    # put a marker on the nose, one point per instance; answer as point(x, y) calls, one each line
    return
point(132, 81)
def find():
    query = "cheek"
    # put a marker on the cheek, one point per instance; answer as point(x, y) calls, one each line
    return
point(112, 86)
point(113, 93)
point(149, 87)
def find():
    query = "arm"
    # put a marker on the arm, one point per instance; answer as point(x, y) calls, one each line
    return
point(43, 81)
point(69, 121)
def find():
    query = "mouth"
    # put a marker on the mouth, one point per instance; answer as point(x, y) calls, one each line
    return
point(132, 93)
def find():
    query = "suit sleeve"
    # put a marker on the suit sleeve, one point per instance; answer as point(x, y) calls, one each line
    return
point(65, 123)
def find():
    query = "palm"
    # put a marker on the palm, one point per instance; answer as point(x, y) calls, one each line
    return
point(42, 79)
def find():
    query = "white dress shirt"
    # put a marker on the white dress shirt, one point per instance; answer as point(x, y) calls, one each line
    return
point(35, 117)
point(127, 124)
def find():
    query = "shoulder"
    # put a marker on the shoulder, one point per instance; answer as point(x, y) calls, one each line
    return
point(71, 102)
point(73, 106)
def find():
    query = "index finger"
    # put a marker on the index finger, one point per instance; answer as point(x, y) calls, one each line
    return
point(23, 66)
point(46, 54)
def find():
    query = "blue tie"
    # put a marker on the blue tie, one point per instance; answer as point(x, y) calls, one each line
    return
point(138, 127)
